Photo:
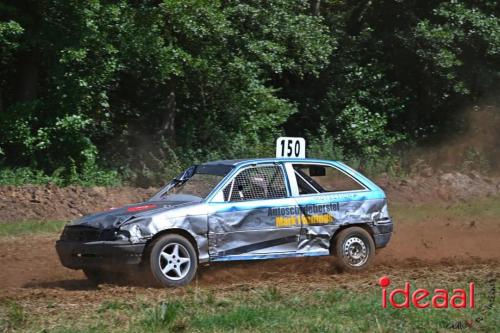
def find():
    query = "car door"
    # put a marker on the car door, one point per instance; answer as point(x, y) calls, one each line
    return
point(327, 198)
point(254, 217)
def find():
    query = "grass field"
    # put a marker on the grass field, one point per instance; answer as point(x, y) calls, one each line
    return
point(23, 228)
point(265, 309)
point(488, 207)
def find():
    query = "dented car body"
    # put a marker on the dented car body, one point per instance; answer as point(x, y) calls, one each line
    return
point(237, 210)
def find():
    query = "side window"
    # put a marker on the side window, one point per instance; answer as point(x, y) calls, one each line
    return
point(313, 178)
point(264, 182)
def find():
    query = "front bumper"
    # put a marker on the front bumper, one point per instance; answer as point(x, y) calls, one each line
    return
point(111, 255)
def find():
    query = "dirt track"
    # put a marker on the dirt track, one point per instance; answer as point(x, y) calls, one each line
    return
point(423, 241)
point(31, 262)
point(442, 240)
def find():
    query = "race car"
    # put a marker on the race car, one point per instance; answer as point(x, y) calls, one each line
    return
point(235, 210)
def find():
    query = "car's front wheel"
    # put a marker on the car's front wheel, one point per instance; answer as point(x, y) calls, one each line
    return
point(354, 249)
point(173, 260)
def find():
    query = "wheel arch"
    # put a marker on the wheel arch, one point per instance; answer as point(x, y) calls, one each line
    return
point(364, 226)
point(176, 231)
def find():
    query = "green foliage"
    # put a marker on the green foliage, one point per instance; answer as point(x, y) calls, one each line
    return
point(146, 88)
point(271, 293)
point(459, 38)
point(10, 32)
point(324, 146)
point(91, 175)
point(15, 316)
point(22, 228)
point(22, 176)
point(160, 317)
point(365, 129)
point(113, 305)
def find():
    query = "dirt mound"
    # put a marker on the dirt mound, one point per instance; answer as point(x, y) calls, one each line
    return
point(54, 203)
point(429, 186)
point(50, 202)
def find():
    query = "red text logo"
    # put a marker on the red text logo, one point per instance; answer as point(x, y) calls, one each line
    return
point(422, 298)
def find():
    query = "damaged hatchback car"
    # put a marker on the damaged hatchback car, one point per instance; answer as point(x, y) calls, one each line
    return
point(235, 210)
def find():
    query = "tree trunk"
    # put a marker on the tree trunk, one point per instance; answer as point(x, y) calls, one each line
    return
point(315, 7)
point(27, 77)
point(167, 129)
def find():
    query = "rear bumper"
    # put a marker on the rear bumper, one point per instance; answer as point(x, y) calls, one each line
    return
point(382, 234)
point(381, 240)
point(111, 255)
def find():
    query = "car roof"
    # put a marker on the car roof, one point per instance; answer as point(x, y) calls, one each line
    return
point(237, 162)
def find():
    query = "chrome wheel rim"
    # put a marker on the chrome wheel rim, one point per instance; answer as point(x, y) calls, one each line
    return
point(355, 251)
point(174, 261)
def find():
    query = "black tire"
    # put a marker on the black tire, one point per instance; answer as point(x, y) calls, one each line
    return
point(174, 271)
point(354, 249)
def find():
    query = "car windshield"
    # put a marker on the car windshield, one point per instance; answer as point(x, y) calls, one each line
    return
point(195, 183)
point(199, 185)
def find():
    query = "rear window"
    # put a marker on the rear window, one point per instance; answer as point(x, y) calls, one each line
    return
point(314, 178)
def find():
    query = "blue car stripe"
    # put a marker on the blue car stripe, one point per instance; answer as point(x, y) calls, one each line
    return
point(291, 202)
point(270, 256)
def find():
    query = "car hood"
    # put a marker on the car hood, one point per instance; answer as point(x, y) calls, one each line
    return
point(114, 217)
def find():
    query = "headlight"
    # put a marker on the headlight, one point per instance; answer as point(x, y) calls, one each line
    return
point(122, 235)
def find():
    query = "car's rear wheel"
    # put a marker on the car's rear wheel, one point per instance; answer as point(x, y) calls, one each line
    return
point(354, 249)
point(173, 261)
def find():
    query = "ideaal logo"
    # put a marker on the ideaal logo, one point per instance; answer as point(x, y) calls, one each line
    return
point(422, 298)
point(460, 298)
